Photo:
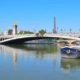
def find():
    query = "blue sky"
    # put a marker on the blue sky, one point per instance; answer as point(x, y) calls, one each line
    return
point(38, 14)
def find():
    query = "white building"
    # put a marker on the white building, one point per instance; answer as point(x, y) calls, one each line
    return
point(14, 29)
point(5, 32)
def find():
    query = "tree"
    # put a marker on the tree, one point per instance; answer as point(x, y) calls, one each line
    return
point(42, 32)
point(21, 32)
point(25, 32)
point(10, 31)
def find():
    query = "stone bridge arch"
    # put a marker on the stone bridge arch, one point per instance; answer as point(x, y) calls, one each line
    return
point(70, 42)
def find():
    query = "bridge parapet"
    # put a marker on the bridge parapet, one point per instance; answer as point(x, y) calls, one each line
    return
point(61, 34)
point(25, 35)
point(14, 36)
point(46, 34)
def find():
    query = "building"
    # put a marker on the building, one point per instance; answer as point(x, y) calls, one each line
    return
point(5, 32)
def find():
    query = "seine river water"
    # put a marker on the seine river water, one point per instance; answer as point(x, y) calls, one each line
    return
point(36, 62)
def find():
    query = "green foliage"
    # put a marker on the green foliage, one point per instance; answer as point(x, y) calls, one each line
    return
point(25, 32)
point(42, 32)
point(10, 31)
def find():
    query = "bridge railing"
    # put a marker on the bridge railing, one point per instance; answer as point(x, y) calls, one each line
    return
point(63, 34)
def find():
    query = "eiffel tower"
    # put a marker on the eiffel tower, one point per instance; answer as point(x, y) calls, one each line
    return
point(54, 29)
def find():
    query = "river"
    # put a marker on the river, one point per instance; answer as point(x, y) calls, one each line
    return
point(36, 62)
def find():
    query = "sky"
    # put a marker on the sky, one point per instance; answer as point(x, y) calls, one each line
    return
point(34, 15)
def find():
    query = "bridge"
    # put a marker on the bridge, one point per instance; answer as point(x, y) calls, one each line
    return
point(19, 39)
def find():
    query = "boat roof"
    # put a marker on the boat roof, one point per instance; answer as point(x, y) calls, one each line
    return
point(74, 47)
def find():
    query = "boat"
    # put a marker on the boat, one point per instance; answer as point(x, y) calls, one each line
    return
point(70, 52)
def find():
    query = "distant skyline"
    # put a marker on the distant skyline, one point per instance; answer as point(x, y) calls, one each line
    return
point(34, 15)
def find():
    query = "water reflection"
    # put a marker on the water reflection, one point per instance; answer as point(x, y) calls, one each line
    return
point(36, 62)
point(37, 47)
point(35, 50)
point(69, 64)
point(14, 57)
